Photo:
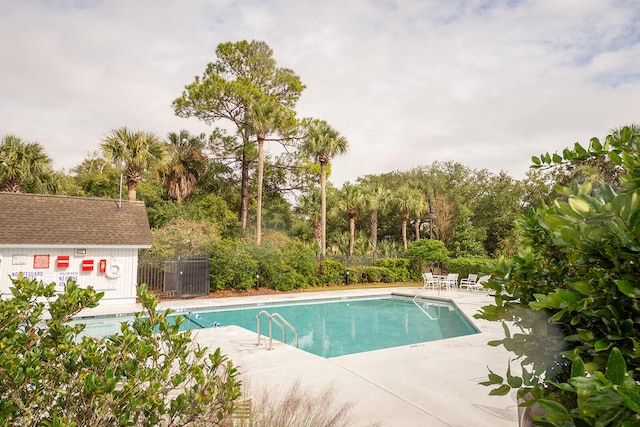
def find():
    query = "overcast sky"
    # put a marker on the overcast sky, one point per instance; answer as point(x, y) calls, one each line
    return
point(409, 82)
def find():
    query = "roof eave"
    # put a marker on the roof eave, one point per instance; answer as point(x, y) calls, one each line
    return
point(74, 246)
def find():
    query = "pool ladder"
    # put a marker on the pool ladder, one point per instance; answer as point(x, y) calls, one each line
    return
point(280, 321)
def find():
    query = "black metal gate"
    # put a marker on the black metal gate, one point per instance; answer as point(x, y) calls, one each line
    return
point(188, 276)
point(185, 277)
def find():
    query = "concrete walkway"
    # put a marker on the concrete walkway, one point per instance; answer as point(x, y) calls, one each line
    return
point(427, 384)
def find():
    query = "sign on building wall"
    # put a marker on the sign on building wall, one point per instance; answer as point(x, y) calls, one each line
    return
point(63, 276)
point(109, 270)
point(29, 274)
point(41, 261)
point(19, 260)
point(60, 277)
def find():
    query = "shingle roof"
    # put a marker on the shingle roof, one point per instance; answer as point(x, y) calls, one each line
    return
point(35, 219)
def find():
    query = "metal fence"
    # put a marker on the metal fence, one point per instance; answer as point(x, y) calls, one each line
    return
point(185, 277)
point(190, 276)
point(151, 272)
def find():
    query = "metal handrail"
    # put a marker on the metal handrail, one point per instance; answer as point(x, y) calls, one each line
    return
point(270, 326)
point(295, 331)
point(431, 304)
point(274, 318)
point(425, 311)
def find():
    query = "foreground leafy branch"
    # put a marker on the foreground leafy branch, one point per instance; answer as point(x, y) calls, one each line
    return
point(568, 300)
point(148, 374)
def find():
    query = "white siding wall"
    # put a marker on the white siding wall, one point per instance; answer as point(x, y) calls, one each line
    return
point(121, 289)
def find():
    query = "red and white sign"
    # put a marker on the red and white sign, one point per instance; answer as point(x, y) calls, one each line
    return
point(87, 265)
point(63, 261)
point(41, 261)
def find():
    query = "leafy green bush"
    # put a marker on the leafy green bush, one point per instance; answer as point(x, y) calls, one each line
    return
point(572, 294)
point(469, 265)
point(467, 239)
point(301, 260)
point(329, 272)
point(232, 266)
point(355, 275)
point(288, 280)
point(398, 266)
point(269, 261)
point(376, 275)
point(284, 265)
point(205, 208)
point(368, 274)
point(427, 251)
point(183, 237)
point(148, 374)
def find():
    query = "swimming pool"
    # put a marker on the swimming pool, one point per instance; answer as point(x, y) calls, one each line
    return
point(336, 327)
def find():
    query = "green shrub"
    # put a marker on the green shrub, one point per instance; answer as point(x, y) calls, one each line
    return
point(183, 237)
point(572, 293)
point(288, 280)
point(355, 275)
point(400, 267)
point(329, 272)
point(269, 262)
point(232, 266)
point(301, 260)
point(149, 374)
point(284, 264)
point(207, 208)
point(377, 275)
point(425, 252)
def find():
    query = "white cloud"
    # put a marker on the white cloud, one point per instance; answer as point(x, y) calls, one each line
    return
point(487, 84)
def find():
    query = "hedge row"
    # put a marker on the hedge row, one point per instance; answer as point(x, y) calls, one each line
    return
point(286, 265)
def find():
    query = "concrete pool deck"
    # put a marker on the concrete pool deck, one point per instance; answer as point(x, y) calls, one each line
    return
point(426, 384)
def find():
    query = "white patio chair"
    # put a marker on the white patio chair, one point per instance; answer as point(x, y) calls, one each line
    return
point(429, 281)
point(479, 285)
point(469, 280)
point(451, 281)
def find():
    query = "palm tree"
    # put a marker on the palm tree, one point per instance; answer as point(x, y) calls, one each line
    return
point(375, 195)
point(309, 207)
point(186, 163)
point(323, 142)
point(266, 116)
point(341, 241)
point(21, 162)
point(420, 208)
point(351, 201)
point(135, 152)
point(407, 200)
point(388, 247)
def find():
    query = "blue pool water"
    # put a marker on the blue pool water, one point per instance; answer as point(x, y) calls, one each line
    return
point(337, 327)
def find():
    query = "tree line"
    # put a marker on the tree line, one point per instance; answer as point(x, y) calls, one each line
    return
point(229, 182)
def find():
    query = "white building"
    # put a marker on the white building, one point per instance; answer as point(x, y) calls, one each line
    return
point(94, 241)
